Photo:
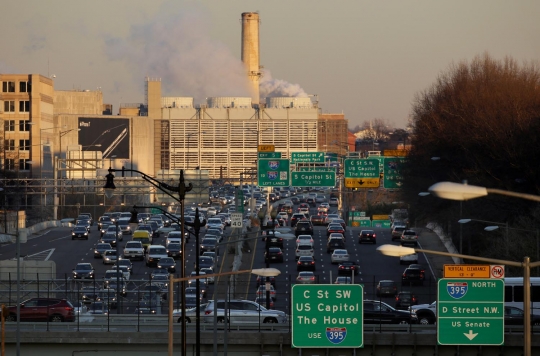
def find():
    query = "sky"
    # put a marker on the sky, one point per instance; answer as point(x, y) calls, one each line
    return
point(366, 59)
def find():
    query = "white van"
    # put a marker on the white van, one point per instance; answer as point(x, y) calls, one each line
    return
point(174, 236)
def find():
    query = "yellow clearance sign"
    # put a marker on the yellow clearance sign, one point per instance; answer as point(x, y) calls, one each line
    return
point(467, 271)
point(395, 153)
point(380, 217)
point(266, 148)
point(362, 182)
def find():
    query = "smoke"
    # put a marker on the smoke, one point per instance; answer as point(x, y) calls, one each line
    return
point(270, 87)
point(176, 47)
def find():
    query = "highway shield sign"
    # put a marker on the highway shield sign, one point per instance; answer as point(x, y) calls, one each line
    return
point(327, 315)
point(273, 172)
point(470, 311)
point(392, 171)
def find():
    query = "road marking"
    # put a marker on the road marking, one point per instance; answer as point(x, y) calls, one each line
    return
point(40, 256)
point(60, 238)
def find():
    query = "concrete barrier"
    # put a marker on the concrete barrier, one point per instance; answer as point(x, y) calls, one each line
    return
point(25, 232)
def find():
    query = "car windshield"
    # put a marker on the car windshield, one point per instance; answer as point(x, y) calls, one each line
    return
point(387, 284)
point(79, 229)
point(84, 267)
point(173, 246)
point(103, 246)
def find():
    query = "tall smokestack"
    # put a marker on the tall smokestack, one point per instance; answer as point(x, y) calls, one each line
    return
point(250, 51)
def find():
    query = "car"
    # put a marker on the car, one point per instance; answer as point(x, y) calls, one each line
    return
point(274, 240)
point(118, 285)
point(515, 316)
point(412, 258)
point(335, 228)
point(174, 237)
point(367, 236)
point(311, 201)
point(306, 277)
point(409, 237)
point(205, 262)
point(261, 290)
point(83, 223)
point(304, 248)
point(83, 271)
point(100, 249)
point(303, 227)
point(296, 217)
point(241, 311)
point(42, 309)
point(386, 288)
point(305, 263)
point(330, 218)
point(148, 227)
point(377, 312)
point(103, 220)
point(174, 250)
point(123, 269)
point(208, 244)
point(79, 232)
point(348, 268)
point(212, 254)
point(89, 293)
point(341, 222)
point(154, 253)
point(191, 313)
point(318, 219)
point(104, 227)
point(216, 233)
point(405, 299)
point(273, 254)
point(86, 216)
point(333, 202)
point(412, 276)
point(116, 230)
point(167, 263)
point(123, 224)
point(134, 250)
point(109, 257)
point(339, 255)
point(304, 239)
point(208, 271)
point(109, 238)
point(397, 231)
point(150, 300)
point(343, 280)
point(159, 272)
point(123, 262)
point(334, 243)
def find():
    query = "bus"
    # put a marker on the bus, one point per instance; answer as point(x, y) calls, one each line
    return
point(513, 293)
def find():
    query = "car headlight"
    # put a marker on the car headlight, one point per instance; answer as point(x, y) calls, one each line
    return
point(73, 233)
point(74, 272)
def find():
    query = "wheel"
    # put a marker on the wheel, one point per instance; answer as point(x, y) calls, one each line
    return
point(56, 319)
point(401, 322)
point(270, 321)
point(425, 319)
point(221, 320)
point(11, 317)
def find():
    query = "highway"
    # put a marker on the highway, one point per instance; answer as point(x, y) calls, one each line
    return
point(56, 245)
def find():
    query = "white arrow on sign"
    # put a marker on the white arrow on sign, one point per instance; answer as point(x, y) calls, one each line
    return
point(470, 335)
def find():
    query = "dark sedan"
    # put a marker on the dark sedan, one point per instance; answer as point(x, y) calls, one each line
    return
point(376, 312)
point(367, 236)
point(167, 263)
point(318, 219)
point(83, 270)
point(79, 232)
point(273, 254)
point(348, 268)
point(305, 263)
point(109, 238)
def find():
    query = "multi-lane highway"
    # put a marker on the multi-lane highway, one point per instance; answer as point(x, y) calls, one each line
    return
point(56, 245)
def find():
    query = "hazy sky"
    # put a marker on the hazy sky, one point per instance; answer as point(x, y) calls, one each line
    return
point(366, 59)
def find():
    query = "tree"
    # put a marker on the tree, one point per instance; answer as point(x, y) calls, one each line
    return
point(479, 122)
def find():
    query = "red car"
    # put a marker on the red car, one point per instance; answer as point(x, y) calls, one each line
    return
point(43, 309)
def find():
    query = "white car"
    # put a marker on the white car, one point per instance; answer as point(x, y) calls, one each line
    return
point(305, 249)
point(134, 250)
point(304, 239)
point(283, 215)
point(339, 255)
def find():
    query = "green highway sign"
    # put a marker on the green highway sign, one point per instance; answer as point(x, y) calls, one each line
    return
point(316, 168)
point(313, 179)
point(393, 172)
point(470, 311)
point(362, 168)
point(239, 200)
point(307, 157)
point(273, 172)
point(327, 315)
point(381, 223)
point(269, 154)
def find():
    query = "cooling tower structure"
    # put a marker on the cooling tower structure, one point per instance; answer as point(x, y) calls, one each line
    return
point(250, 52)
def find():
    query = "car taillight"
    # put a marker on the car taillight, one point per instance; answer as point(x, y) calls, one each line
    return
point(208, 312)
point(397, 298)
point(299, 262)
point(341, 267)
point(312, 262)
point(312, 278)
point(374, 236)
point(280, 253)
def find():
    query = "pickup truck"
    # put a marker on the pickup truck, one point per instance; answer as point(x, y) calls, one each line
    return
point(426, 313)
point(134, 250)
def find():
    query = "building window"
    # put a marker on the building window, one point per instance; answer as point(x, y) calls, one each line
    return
point(25, 87)
point(10, 164)
point(24, 125)
point(8, 87)
point(9, 145)
point(24, 145)
point(24, 164)
point(24, 106)
point(9, 125)
point(9, 106)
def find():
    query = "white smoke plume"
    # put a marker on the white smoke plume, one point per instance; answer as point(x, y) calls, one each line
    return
point(177, 48)
point(270, 87)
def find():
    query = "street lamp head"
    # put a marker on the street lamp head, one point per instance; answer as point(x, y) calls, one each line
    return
point(266, 272)
point(396, 251)
point(261, 214)
point(491, 228)
point(424, 194)
point(273, 213)
point(457, 191)
point(464, 221)
point(134, 214)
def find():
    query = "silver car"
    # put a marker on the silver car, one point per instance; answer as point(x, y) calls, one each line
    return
point(242, 312)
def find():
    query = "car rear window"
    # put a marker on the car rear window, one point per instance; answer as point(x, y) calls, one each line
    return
point(305, 247)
